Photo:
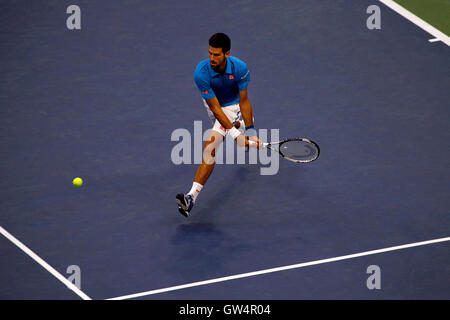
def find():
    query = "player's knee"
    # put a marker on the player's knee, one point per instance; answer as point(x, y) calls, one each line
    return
point(209, 153)
point(209, 158)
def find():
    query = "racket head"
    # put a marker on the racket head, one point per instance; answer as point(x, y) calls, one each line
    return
point(299, 150)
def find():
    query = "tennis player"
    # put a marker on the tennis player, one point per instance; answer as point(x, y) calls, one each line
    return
point(222, 81)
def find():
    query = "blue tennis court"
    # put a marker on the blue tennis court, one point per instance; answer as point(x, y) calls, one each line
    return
point(102, 103)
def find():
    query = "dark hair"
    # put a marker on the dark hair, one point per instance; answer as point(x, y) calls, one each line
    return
point(220, 40)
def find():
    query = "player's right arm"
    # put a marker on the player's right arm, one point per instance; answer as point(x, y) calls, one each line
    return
point(214, 105)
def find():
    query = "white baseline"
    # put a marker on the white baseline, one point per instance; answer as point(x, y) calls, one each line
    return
point(294, 266)
point(417, 21)
point(44, 264)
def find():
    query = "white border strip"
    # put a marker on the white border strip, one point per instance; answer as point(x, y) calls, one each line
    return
point(294, 266)
point(44, 264)
point(417, 21)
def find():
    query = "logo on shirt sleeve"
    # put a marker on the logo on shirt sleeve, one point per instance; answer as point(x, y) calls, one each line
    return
point(231, 77)
point(205, 92)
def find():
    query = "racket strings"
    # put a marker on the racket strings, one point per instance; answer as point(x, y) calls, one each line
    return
point(299, 150)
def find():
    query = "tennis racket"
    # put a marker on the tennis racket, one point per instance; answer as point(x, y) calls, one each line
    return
point(295, 149)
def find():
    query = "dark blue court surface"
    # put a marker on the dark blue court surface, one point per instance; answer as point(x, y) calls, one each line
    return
point(102, 102)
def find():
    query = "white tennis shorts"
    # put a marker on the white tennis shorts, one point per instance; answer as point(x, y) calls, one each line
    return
point(233, 112)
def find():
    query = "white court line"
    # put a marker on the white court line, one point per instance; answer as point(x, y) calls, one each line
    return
point(294, 266)
point(44, 264)
point(434, 40)
point(417, 21)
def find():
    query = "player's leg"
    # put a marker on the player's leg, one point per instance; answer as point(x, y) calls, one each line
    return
point(204, 170)
point(186, 202)
point(209, 155)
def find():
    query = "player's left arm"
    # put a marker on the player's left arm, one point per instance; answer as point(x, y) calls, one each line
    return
point(247, 115)
point(246, 108)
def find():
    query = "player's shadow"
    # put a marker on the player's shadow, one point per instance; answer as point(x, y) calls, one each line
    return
point(197, 251)
point(200, 246)
point(243, 179)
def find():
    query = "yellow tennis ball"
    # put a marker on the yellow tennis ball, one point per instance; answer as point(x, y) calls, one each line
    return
point(77, 182)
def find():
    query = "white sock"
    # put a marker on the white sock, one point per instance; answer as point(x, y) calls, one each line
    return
point(195, 190)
